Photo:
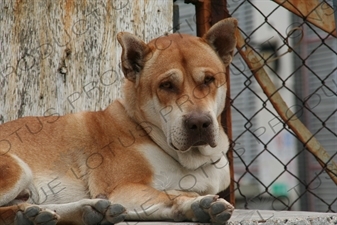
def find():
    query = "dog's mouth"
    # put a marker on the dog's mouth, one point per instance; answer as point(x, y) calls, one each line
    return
point(199, 143)
point(187, 148)
point(175, 148)
point(183, 140)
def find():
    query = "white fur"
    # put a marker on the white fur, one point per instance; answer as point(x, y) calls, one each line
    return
point(52, 189)
point(169, 174)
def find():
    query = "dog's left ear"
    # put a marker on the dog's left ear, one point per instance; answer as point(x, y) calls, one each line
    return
point(133, 55)
point(221, 37)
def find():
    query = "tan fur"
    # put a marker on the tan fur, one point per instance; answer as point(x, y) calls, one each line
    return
point(10, 173)
point(160, 151)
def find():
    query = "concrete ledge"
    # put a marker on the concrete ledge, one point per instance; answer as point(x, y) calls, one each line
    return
point(264, 217)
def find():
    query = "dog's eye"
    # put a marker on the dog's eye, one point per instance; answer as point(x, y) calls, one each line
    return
point(166, 85)
point(208, 80)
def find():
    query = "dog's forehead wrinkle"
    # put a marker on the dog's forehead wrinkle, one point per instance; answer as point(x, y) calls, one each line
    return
point(172, 39)
point(199, 73)
point(177, 47)
point(173, 75)
point(181, 45)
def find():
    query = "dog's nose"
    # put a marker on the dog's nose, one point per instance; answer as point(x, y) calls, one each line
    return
point(198, 122)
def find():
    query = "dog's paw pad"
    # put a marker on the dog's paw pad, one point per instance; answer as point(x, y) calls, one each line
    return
point(217, 207)
point(32, 212)
point(200, 214)
point(222, 217)
point(207, 201)
point(221, 211)
point(115, 213)
point(102, 205)
point(104, 213)
point(34, 215)
point(90, 216)
point(46, 218)
point(212, 209)
point(20, 219)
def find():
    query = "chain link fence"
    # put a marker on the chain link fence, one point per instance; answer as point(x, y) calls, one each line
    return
point(273, 169)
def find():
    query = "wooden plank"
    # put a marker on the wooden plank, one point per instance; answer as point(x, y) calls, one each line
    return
point(317, 12)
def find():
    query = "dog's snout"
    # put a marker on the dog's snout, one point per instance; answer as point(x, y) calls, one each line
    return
point(198, 122)
point(198, 130)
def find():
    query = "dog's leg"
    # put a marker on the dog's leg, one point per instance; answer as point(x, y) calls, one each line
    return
point(143, 203)
point(27, 214)
point(89, 212)
point(146, 203)
point(15, 180)
point(83, 212)
point(15, 177)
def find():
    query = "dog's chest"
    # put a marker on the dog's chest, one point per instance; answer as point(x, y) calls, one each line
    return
point(170, 175)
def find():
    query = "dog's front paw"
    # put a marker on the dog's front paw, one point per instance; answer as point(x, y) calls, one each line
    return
point(104, 213)
point(212, 209)
point(34, 215)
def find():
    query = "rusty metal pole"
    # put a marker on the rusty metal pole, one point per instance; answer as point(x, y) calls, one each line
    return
point(209, 12)
point(335, 13)
point(203, 16)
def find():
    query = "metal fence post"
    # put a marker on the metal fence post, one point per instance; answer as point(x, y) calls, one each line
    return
point(335, 11)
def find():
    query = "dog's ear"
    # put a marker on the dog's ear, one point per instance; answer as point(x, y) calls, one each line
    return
point(133, 55)
point(221, 37)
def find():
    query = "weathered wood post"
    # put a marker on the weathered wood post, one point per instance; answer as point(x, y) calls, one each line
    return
point(62, 56)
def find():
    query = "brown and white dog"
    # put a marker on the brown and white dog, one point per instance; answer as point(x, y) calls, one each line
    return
point(157, 154)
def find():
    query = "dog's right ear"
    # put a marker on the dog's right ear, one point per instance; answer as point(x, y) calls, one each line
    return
point(221, 37)
point(133, 55)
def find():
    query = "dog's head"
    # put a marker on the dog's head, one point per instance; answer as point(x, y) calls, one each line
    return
point(176, 83)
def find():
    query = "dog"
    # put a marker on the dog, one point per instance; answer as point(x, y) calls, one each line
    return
point(159, 153)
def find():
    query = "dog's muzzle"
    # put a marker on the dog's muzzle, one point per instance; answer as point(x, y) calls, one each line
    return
point(197, 130)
